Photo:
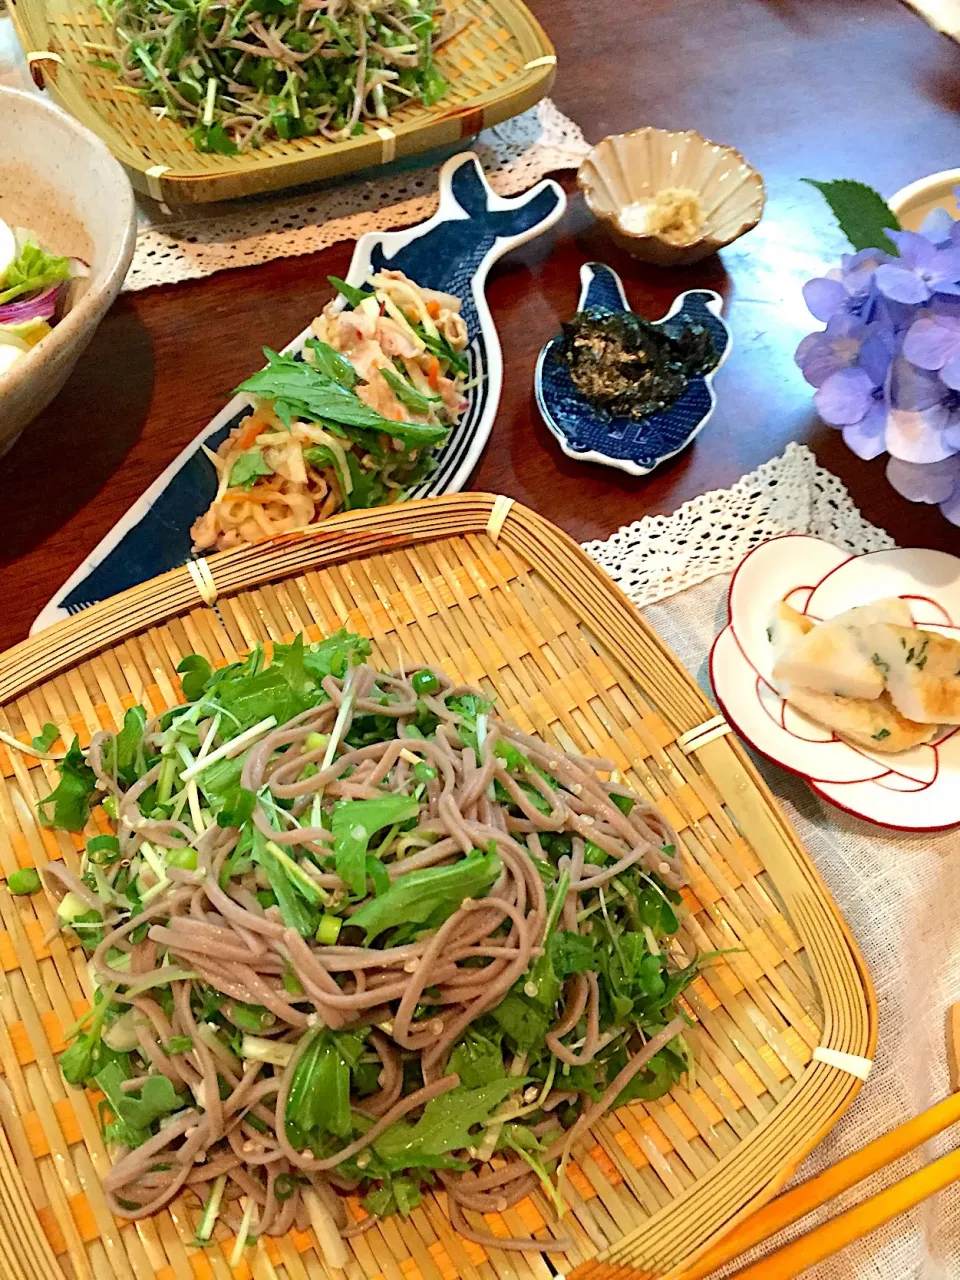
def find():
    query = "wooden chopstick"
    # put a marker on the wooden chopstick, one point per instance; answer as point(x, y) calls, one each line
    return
point(859, 1221)
point(810, 1195)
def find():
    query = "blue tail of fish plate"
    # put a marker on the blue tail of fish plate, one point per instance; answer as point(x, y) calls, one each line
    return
point(451, 252)
point(472, 228)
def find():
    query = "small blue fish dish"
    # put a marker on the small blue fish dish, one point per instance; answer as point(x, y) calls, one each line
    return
point(451, 253)
point(590, 434)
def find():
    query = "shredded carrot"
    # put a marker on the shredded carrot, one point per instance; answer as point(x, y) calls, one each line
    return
point(263, 496)
point(433, 309)
point(433, 375)
point(398, 415)
point(251, 429)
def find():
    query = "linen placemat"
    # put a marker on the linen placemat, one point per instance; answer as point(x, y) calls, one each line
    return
point(899, 893)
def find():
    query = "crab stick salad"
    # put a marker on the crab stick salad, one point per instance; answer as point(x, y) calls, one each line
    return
point(353, 423)
point(31, 287)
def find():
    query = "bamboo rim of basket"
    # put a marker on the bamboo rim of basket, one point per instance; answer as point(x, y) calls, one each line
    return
point(758, 1166)
point(500, 63)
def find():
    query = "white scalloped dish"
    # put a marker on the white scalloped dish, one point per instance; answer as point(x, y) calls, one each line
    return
point(914, 790)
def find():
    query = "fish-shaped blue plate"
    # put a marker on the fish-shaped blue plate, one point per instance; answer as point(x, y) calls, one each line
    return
point(453, 252)
point(590, 435)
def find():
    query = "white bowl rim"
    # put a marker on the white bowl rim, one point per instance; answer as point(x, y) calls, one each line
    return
point(71, 326)
point(923, 187)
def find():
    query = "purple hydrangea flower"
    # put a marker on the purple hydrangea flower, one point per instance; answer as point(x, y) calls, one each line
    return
point(933, 342)
point(836, 347)
point(934, 483)
point(921, 270)
point(886, 367)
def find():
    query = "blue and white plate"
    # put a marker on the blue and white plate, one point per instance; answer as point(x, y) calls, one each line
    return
point(590, 435)
point(453, 252)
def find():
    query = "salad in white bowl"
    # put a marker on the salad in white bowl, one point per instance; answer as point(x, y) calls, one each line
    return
point(33, 282)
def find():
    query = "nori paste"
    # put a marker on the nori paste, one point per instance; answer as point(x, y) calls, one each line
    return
point(629, 367)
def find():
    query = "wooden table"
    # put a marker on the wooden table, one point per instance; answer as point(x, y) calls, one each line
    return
point(826, 89)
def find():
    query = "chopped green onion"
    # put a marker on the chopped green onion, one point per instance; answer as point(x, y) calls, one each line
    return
point(185, 858)
point(25, 881)
point(425, 681)
point(328, 931)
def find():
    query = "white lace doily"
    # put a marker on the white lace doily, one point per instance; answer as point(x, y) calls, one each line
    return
point(174, 245)
point(661, 555)
point(897, 892)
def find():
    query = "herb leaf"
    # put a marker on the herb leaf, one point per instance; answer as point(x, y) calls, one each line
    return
point(430, 895)
point(68, 806)
point(355, 822)
point(246, 469)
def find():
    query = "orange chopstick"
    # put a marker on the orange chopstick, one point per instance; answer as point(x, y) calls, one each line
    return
point(810, 1195)
point(836, 1234)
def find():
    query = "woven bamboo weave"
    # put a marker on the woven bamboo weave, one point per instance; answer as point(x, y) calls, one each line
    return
point(498, 64)
point(532, 620)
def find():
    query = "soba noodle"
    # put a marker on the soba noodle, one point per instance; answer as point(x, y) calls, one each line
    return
point(213, 987)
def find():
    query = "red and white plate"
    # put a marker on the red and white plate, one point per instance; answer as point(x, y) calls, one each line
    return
point(916, 790)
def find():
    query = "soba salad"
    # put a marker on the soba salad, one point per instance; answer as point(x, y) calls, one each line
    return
point(351, 936)
point(354, 423)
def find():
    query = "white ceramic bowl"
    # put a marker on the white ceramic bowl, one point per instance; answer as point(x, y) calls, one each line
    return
point(630, 168)
point(916, 790)
point(912, 203)
point(61, 182)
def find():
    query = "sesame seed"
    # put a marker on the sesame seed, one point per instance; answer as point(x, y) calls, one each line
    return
point(531, 1094)
point(663, 868)
point(530, 989)
point(411, 966)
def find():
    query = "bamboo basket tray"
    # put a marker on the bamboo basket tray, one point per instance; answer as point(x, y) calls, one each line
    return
point(527, 615)
point(499, 64)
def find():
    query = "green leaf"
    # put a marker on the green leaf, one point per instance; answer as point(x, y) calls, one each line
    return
point(654, 910)
point(429, 895)
point(124, 752)
point(442, 349)
point(213, 138)
point(477, 1059)
point(32, 271)
point(298, 389)
point(247, 468)
point(863, 214)
point(283, 689)
point(319, 1100)
point(572, 953)
point(397, 1195)
point(238, 810)
point(45, 738)
point(352, 294)
point(332, 363)
point(355, 822)
point(433, 86)
point(295, 911)
point(407, 394)
point(68, 806)
point(332, 656)
point(367, 489)
point(446, 1121)
point(195, 671)
point(525, 1021)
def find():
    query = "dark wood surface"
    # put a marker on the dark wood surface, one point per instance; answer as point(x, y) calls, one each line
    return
point(826, 89)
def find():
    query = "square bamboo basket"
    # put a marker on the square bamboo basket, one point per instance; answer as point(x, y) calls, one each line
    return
point(498, 64)
point(522, 611)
